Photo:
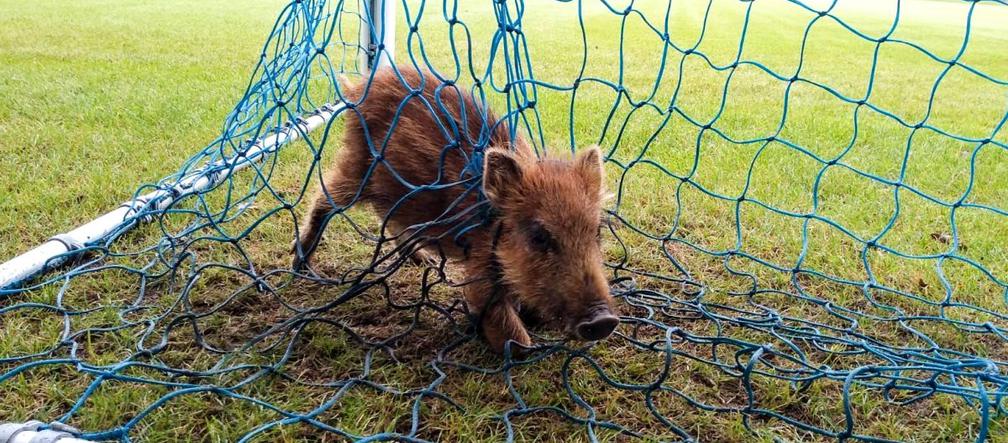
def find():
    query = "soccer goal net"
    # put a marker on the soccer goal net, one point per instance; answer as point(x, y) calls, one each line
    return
point(807, 238)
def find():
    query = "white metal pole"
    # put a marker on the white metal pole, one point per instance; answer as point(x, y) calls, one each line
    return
point(379, 48)
point(58, 248)
point(29, 432)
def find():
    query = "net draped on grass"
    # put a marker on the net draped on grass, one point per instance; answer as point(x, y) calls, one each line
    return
point(801, 291)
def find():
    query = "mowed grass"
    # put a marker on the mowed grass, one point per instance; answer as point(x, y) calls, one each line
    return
point(100, 97)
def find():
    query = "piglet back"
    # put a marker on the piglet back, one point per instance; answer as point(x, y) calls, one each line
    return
point(407, 129)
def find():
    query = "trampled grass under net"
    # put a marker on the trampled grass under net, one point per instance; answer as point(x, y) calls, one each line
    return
point(807, 242)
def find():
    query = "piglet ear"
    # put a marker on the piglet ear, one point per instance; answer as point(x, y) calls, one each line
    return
point(589, 164)
point(501, 173)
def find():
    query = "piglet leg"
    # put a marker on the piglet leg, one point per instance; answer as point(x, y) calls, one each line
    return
point(498, 317)
point(500, 324)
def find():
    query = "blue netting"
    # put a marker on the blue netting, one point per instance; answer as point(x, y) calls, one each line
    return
point(878, 299)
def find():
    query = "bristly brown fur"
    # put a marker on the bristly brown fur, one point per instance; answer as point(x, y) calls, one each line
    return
point(547, 258)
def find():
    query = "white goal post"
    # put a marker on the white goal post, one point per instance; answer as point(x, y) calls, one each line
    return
point(379, 41)
point(29, 432)
point(60, 247)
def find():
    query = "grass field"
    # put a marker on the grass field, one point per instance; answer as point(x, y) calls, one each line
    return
point(99, 97)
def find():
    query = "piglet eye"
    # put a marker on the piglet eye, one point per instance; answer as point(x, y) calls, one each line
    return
point(540, 238)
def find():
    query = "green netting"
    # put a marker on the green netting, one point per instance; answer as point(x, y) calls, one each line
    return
point(807, 241)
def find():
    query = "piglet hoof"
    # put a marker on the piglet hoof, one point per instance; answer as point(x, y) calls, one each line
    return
point(518, 346)
point(412, 258)
point(500, 324)
point(518, 352)
point(416, 256)
point(299, 262)
point(498, 337)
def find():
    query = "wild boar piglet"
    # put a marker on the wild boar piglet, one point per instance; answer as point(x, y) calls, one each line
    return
point(537, 257)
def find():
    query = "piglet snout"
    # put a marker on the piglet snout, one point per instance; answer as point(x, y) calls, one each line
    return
point(598, 325)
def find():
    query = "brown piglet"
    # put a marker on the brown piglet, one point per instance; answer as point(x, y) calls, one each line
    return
point(408, 151)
